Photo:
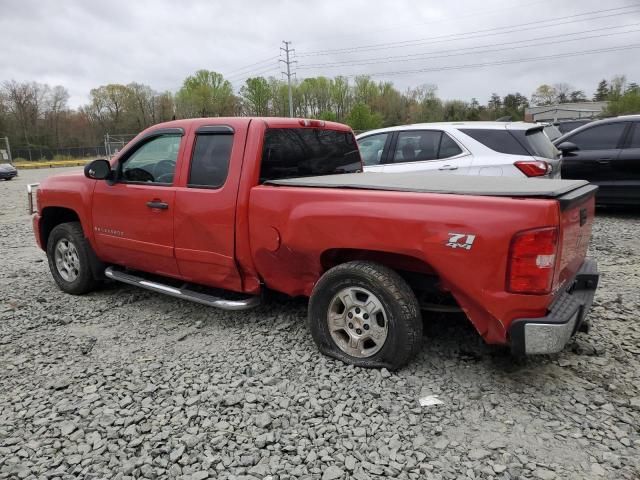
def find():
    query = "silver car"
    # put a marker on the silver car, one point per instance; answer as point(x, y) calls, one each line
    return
point(516, 149)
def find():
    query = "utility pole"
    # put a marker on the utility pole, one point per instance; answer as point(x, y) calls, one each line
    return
point(288, 50)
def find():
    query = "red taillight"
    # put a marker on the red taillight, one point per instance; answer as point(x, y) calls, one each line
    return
point(532, 261)
point(534, 168)
point(312, 123)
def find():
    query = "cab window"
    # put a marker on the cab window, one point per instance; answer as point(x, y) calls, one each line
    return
point(153, 162)
point(210, 161)
point(305, 152)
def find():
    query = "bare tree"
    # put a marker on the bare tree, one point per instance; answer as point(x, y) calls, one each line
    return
point(108, 105)
point(563, 91)
point(25, 102)
point(141, 104)
point(56, 106)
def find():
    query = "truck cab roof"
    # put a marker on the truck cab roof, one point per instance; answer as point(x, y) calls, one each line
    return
point(271, 122)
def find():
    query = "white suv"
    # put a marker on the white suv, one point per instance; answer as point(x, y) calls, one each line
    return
point(467, 148)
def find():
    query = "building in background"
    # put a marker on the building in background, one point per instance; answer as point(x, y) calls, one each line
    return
point(564, 111)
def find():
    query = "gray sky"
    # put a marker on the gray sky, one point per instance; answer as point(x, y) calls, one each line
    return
point(85, 44)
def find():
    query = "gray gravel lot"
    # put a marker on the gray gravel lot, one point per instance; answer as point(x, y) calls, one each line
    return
point(125, 383)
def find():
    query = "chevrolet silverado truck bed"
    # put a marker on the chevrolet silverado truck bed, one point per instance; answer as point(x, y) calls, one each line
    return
point(563, 190)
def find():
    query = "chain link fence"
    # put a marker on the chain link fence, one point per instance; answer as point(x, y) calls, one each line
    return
point(34, 154)
point(114, 143)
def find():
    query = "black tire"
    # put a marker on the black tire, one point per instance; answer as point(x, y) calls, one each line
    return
point(401, 310)
point(84, 280)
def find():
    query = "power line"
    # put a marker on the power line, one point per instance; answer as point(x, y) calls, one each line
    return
point(502, 62)
point(288, 62)
point(476, 14)
point(255, 73)
point(247, 67)
point(462, 52)
point(472, 34)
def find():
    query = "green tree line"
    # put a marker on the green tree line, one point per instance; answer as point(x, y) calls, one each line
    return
point(38, 115)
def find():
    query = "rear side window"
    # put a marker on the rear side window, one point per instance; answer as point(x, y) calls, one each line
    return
point(306, 152)
point(498, 140)
point(424, 145)
point(210, 160)
point(600, 137)
point(448, 148)
point(540, 144)
point(417, 146)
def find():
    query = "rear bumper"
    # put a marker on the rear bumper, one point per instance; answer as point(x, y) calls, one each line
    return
point(551, 333)
point(6, 175)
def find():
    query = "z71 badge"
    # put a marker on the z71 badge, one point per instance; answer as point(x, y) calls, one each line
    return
point(461, 240)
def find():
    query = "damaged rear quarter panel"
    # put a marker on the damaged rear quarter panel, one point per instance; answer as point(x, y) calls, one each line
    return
point(418, 225)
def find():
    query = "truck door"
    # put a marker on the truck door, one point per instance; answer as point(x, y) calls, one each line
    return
point(205, 213)
point(133, 217)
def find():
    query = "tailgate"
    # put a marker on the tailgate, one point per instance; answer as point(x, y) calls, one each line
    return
point(577, 211)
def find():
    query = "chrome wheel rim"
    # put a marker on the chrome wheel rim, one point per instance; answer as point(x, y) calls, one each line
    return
point(67, 260)
point(357, 322)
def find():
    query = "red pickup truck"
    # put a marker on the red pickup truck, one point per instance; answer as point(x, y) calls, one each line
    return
point(222, 211)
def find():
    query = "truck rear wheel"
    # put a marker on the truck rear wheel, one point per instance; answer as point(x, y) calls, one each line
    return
point(365, 314)
point(68, 254)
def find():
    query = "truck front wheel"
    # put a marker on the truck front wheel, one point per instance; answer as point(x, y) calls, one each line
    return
point(365, 314)
point(68, 254)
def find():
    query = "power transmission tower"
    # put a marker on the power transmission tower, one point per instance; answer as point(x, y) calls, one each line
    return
point(288, 62)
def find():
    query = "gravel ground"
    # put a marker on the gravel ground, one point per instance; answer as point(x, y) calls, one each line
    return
point(124, 383)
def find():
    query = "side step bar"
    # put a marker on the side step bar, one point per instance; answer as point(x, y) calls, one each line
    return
point(183, 293)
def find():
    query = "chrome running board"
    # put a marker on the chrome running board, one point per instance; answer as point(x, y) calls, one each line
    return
point(183, 293)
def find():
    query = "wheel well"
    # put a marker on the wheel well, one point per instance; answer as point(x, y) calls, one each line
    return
point(421, 277)
point(53, 216)
point(397, 261)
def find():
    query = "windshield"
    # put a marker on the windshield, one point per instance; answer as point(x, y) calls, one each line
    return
point(305, 152)
point(552, 132)
point(540, 144)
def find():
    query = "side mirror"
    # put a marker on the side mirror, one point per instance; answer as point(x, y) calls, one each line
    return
point(567, 147)
point(98, 170)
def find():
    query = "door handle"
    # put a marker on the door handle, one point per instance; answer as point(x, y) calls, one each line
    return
point(158, 204)
point(448, 167)
point(604, 161)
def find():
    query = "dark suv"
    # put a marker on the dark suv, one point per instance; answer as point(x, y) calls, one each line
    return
point(606, 153)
